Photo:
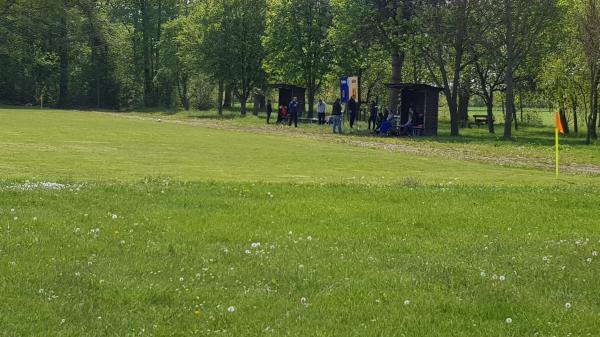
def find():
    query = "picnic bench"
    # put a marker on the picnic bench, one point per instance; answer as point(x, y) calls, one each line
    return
point(480, 120)
point(306, 120)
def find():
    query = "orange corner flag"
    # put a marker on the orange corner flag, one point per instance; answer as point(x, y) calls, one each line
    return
point(559, 124)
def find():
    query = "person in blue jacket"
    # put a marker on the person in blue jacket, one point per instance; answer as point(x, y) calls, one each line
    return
point(293, 111)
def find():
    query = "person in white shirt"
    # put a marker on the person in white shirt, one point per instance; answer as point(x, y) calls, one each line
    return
point(321, 110)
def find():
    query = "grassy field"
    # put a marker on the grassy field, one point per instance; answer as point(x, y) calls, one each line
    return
point(124, 226)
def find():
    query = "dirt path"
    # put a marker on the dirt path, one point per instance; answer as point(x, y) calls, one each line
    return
point(420, 149)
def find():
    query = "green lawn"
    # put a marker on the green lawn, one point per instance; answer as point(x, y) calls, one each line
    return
point(115, 226)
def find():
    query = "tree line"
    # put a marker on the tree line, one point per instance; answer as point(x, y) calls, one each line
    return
point(124, 54)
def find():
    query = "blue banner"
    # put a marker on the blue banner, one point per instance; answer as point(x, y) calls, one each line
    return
point(344, 89)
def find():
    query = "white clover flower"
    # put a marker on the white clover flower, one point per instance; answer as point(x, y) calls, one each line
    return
point(114, 216)
point(122, 242)
point(181, 279)
point(406, 302)
point(77, 274)
point(482, 274)
point(248, 251)
point(509, 320)
point(62, 321)
point(594, 253)
point(301, 266)
point(231, 309)
point(309, 238)
point(41, 291)
point(290, 233)
point(567, 305)
point(255, 244)
point(589, 260)
point(12, 210)
point(502, 278)
point(35, 218)
point(16, 218)
point(494, 277)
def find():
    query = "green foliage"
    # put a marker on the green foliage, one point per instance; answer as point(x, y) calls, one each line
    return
point(298, 44)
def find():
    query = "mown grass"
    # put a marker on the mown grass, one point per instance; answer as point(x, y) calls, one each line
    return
point(149, 231)
point(177, 256)
point(533, 141)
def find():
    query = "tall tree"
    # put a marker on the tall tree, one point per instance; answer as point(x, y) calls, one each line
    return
point(528, 29)
point(232, 47)
point(298, 44)
point(446, 41)
point(590, 41)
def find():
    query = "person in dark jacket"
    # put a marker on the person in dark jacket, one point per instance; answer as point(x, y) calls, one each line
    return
point(269, 111)
point(336, 116)
point(373, 115)
point(352, 111)
point(293, 111)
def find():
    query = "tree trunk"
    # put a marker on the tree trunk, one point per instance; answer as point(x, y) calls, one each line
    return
point(63, 52)
point(515, 116)
point(243, 106)
point(359, 98)
point(453, 107)
point(147, 55)
point(521, 107)
point(510, 97)
point(563, 119)
point(256, 104)
point(397, 65)
point(463, 107)
point(490, 114)
point(311, 102)
point(575, 121)
point(227, 103)
point(220, 97)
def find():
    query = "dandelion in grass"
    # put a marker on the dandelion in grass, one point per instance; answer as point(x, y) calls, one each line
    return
point(309, 238)
point(12, 210)
point(16, 218)
point(231, 309)
point(568, 306)
point(502, 278)
point(255, 245)
point(304, 302)
point(406, 302)
point(248, 251)
point(494, 277)
point(509, 320)
point(482, 274)
point(114, 216)
point(77, 274)
point(594, 253)
point(35, 218)
point(589, 260)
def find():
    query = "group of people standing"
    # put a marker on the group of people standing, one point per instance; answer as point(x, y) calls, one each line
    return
point(378, 122)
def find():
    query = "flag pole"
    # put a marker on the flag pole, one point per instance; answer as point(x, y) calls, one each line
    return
point(556, 129)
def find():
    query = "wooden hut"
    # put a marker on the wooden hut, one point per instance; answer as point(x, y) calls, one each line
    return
point(424, 99)
point(287, 92)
